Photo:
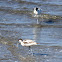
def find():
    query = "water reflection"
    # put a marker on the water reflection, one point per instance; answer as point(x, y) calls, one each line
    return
point(16, 21)
point(36, 32)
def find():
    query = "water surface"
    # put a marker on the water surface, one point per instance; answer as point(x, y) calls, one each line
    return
point(17, 21)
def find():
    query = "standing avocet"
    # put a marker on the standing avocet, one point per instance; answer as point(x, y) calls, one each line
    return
point(37, 12)
point(27, 42)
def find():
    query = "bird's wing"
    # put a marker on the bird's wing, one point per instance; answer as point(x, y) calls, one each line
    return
point(28, 41)
point(25, 42)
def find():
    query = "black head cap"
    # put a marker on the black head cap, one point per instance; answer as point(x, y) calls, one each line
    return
point(20, 39)
point(36, 8)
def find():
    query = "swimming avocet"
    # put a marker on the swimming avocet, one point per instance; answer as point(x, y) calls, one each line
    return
point(37, 12)
point(27, 42)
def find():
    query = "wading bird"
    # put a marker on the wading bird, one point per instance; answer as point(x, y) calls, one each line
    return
point(27, 42)
point(37, 12)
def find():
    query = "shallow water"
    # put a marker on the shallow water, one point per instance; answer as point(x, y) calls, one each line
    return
point(17, 21)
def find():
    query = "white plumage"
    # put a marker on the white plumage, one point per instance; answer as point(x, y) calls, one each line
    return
point(37, 11)
point(27, 42)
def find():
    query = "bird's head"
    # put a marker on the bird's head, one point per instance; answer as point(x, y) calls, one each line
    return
point(36, 8)
point(20, 40)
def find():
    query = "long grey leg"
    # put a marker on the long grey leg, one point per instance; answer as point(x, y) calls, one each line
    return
point(29, 47)
point(37, 21)
point(30, 51)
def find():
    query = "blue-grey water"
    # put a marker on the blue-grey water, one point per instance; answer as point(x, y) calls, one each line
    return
point(17, 21)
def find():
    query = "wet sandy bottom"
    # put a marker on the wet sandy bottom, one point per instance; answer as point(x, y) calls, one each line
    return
point(42, 53)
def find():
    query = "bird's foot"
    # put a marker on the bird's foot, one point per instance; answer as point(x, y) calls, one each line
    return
point(31, 52)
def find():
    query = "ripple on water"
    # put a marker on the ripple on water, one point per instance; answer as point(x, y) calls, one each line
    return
point(17, 21)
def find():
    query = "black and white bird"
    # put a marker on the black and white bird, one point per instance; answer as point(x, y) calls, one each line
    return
point(37, 12)
point(27, 42)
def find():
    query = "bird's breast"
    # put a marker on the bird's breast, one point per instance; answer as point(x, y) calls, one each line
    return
point(35, 12)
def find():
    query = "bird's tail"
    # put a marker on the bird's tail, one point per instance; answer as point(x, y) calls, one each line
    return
point(39, 43)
